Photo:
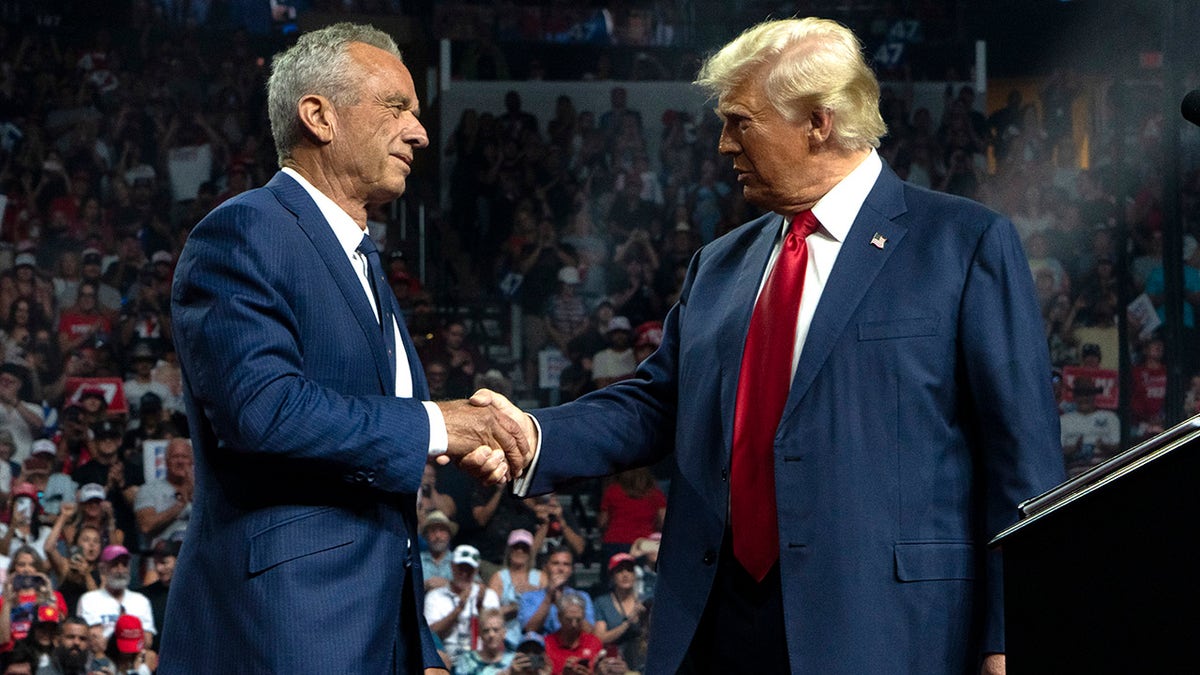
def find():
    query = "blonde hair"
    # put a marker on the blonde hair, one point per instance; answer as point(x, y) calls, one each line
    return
point(811, 64)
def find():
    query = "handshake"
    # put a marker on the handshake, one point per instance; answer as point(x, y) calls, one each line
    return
point(489, 437)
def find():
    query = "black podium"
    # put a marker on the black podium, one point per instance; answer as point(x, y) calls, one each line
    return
point(1102, 573)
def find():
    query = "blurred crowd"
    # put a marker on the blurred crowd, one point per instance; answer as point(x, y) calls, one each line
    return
point(115, 142)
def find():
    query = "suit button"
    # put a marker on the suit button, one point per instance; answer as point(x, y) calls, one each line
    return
point(724, 474)
point(710, 557)
point(371, 476)
point(360, 477)
point(349, 478)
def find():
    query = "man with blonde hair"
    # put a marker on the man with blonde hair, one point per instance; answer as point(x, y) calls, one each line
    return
point(855, 387)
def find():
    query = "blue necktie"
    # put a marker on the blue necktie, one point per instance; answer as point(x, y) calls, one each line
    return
point(380, 288)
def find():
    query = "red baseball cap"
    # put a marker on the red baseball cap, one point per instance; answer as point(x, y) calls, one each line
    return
point(48, 614)
point(619, 558)
point(129, 634)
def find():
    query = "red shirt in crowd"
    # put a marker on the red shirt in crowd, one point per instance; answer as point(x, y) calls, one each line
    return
point(1149, 393)
point(588, 649)
point(630, 519)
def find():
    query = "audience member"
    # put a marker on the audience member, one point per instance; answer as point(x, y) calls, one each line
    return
point(92, 509)
point(453, 610)
point(516, 577)
point(23, 419)
point(492, 656)
point(163, 554)
point(631, 507)
point(28, 596)
point(164, 506)
point(539, 607)
point(70, 654)
point(572, 649)
point(1089, 434)
point(438, 530)
point(529, 657)
point(556, 527)
point(78, 571)
point(127, 646)
point(615, 362)
point(430, 498)
point(107, 469)
point(25, 527)
point(495, 513)
point(107, 604)
point(1148, 398)
point(620, 614)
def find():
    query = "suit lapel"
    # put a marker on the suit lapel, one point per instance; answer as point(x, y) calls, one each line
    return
point(741, 306)
point(857, 265)
point(295, 199)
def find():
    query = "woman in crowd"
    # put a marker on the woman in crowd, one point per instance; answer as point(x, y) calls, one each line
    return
point(24, 527)
point(26, 590)
point(77, 571)
point(516, 577)
point(632, 507)
point(620, 615)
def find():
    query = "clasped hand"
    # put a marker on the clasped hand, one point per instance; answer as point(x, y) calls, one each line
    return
point(489, 437)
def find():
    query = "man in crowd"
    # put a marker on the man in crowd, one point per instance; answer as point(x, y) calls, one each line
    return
point(105, 604)
point(452, 609)
point(163, 556)
point(164, 506)
point(22, 419)
point(887, 409)
point(538, 612)
point(572, 649)
point(304, 393)
point(438, 530)
point(1089, 434)
point(70, 654)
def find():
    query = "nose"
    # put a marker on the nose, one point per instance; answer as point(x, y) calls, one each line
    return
point(726, 145)
point(416, 135)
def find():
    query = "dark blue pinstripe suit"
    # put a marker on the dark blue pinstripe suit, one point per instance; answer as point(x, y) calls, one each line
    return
point(297, 557)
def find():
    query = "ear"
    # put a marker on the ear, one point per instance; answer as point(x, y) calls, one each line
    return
point(821, 120)
point(317, 117)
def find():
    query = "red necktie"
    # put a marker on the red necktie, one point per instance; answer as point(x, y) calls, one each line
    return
point(763, 385)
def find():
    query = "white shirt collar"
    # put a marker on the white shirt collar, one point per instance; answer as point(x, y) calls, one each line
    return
point(348, 233)
point(839, 207)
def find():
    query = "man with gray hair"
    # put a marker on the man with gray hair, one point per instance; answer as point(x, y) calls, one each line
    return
point(855, 388)
point(307, 405)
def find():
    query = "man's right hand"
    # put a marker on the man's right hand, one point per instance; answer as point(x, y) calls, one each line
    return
point(490, 399)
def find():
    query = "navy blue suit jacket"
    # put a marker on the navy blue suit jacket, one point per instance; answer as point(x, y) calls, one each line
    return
point(920, 415)
point(297, 557)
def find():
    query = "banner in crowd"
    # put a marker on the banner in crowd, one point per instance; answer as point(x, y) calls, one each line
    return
point(111, 388)
point(1104, 379)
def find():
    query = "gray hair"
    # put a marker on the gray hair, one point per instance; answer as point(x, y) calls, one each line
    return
point(571, 599)
point(810, 63)
point(319, 63)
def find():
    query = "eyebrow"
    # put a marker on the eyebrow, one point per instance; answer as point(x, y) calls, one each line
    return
point(404, 102)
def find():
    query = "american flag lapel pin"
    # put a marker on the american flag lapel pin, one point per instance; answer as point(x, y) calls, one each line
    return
point(878, 241)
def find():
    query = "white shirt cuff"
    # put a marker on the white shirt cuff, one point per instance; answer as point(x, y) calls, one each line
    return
point(520, 486)
point(439, 439)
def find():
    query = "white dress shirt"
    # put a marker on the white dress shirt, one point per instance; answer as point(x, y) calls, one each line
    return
point(350, 235)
